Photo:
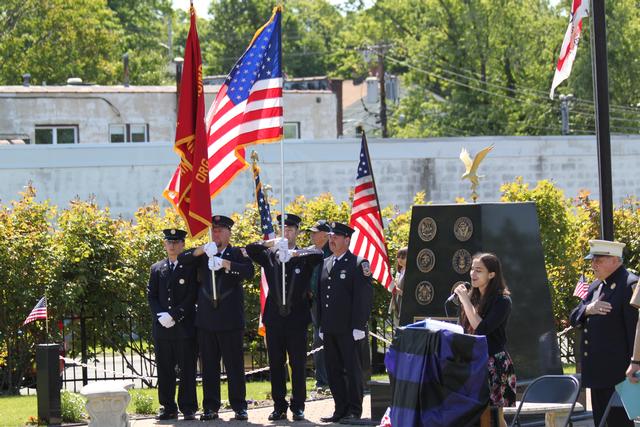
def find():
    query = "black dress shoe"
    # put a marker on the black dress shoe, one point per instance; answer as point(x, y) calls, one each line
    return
point(298, 415)
point(209, 415)
point(332, 419)
point(241, 415)
point(189, 416)
point(167, 415)
point(278, 415)
point(348, 418)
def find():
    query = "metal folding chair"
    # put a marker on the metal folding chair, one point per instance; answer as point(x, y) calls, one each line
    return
point(550, 389)
point(614, 402)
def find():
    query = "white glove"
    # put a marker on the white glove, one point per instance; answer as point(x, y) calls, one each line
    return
point(321, 335)
point(215, 263)
point(358, 334)
point(166, 320)
point(211, 249)
point(284, 254)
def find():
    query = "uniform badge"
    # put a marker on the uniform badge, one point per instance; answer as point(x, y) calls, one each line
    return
point(343, 275)
point(366, 268)
point(173, 231)
point(613, 286)
point(297, 270)
point(181, 281)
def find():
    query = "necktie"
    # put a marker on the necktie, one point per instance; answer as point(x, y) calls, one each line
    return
point(172, 266)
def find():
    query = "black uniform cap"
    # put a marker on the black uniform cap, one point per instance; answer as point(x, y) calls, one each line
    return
point(174, 234)
point(342, 229)
point(290, 219)
point(222, 221)
point(320, 225)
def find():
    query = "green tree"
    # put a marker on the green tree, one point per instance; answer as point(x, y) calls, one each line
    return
point(145, 36)
point(57, 39)
point(309, 29)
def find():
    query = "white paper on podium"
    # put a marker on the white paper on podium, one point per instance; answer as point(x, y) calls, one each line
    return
point(437, 325)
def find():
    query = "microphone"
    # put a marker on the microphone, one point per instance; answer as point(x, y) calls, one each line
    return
point(454, 297)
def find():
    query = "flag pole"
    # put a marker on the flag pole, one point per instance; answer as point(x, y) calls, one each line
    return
point(46, 319)
point(214, 293)
point(284, 290)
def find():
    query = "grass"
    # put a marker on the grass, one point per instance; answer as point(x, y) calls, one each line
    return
point(15, 410)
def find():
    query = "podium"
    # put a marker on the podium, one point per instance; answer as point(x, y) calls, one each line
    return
point(438, 378)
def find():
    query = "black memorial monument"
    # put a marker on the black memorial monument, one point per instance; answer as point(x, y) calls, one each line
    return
point(442, 240)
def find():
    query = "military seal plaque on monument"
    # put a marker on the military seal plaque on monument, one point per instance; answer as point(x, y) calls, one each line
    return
point(435, 265)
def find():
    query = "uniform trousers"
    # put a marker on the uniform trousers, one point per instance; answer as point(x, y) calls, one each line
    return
point(225, 346)
point(344, 371)
point(283, 340)
point(180, 352)
point(617, 416)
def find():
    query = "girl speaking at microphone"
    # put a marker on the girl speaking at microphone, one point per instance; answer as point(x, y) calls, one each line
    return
point(485, 311)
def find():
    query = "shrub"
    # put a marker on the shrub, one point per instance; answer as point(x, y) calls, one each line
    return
point(142, 403)
point(72, 407)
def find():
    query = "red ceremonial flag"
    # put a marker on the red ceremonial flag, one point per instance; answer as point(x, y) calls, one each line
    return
point(368, 239)
point(188, 190)
point(248, 107)
point(582, 288)
point(38, 312)
point(579, 10)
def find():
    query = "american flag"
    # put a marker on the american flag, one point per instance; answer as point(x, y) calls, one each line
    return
point(38, 312)
point(579, 10)
point(368, 239)
point(248, 107)
point(266, 225)
point(582, 288)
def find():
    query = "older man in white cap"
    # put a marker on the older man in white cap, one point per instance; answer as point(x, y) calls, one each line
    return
point(608, 324)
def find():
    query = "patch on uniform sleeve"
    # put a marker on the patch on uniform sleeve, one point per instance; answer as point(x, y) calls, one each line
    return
point(366, 268)
point(244, 252)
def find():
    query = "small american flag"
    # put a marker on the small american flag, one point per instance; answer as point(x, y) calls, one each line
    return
point(38, 312)
point(368, 239)
point(248, 107)
point(582, 288)
point(266, 225)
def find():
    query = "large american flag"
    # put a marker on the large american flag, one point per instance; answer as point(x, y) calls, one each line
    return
point(582, 288)
point(266, 225)
point(248, 107)
point(38, 312)
point(368, 239)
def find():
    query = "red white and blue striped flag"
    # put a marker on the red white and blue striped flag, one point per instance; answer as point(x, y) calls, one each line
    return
point(266, 225)
point(38, 312)
point(368, 239)
point(248, 107)
point(582, 288)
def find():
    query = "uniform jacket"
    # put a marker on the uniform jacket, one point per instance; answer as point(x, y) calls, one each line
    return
point(607, 340)
point(174, 293)
point(229, 314)
point(346, 294)
point(298, 272)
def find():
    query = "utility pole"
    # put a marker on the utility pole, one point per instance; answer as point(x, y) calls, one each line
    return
point(601, 94)
point(383, 93)
point(564, 112)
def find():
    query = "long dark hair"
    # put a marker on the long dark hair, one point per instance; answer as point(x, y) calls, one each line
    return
point(497, 286)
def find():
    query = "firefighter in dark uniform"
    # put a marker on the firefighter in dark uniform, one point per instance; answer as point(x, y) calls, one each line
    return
point(608, 325)
point(171, 293)
point(221, 324)
point(286, 324)
point(346, 300)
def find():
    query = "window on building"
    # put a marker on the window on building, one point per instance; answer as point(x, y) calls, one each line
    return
point(130, 132)
point(57, 134)
point(292, 130)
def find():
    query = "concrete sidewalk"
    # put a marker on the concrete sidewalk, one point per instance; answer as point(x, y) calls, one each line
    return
point(314, 410)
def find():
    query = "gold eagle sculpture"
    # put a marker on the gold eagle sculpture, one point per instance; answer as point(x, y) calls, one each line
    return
point(471, 168)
